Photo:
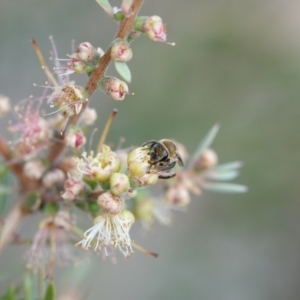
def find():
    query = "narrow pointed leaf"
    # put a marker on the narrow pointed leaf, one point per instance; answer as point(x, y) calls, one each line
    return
point(221, 175)
point(224, 187)
point(205, 143)
point(4, 190)
point(123, 71)
point(50, 293)
point(28, 286)
point(10, 294)
point(106, 6)
point(229, 166)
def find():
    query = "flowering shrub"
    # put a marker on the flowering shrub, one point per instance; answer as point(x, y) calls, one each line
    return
point(56, 175)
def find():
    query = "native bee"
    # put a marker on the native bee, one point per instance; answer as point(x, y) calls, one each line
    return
point(163, 157)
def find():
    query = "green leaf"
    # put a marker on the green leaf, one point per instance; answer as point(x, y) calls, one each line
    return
point(82, 205)
point(224, 187)
point(106, 6)
point(4, 190)
point(91, 183)
point(28, 286)
point(229, 166)
point(123, 70)
point(93, 208)
point(204, 144)
point(50, 293)
point(51, 208)
point(31, 201)
point(207, 140)
point(10, 294)
point(221, 175)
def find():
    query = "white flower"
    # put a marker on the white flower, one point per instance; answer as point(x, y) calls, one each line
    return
point(110, 230)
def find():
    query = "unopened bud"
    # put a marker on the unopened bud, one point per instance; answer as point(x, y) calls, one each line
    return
point(119, 183)
point(53, 177)
point(77, 65)
point(127, 217)
point(207, 159)
point(86, 51)
point(111, 203)
point(153, 27)
point(114, 87)
point(177, 196)
point(73, 187)
point(74, 137)
point(121, 51)
point(4, 105)
point(34, 169)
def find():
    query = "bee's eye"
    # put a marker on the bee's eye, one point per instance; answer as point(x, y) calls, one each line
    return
point(153, 155)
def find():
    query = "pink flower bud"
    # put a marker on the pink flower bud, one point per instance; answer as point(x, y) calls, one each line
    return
point(121, 51)
point(53, 177)
point(86, 51)
point(111, 203)
point(73, 187)
point(34, 169)
point(153, 27)
point(177, 196)
point(74, 138)
point(114, 87)
point(207, 159)
point(76, 65)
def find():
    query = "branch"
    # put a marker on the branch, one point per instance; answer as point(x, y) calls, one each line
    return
point(92, 84)
point(14, 167)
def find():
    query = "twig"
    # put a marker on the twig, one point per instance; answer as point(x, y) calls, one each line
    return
point(124, 29)
point(14, 167)
point(106, 129)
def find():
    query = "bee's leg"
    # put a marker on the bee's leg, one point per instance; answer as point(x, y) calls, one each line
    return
point(166, 175)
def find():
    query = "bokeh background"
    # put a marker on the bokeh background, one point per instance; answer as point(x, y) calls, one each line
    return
point(236, 63)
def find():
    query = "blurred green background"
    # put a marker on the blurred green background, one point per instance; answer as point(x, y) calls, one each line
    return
point(236, 63)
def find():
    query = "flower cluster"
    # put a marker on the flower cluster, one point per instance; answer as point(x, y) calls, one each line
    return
point(57, 174)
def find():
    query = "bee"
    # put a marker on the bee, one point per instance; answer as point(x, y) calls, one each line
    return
point(163, 157)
